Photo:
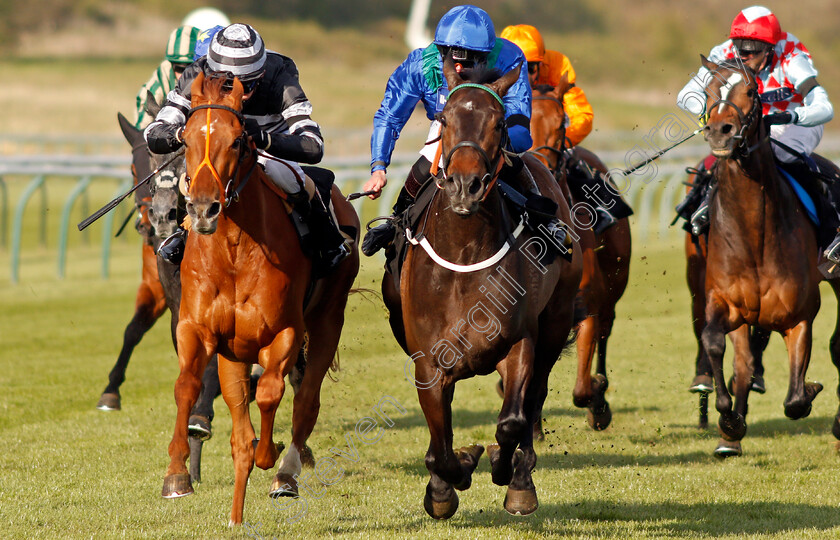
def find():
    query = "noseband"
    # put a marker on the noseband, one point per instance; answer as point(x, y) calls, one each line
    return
point(229, 192)
point(491, 165)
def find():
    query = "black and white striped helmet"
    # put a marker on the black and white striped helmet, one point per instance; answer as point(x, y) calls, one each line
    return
point(237, 50)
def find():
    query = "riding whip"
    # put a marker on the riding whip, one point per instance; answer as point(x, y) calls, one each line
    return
point(113, 204)
point(354, 196)
point(637, 166)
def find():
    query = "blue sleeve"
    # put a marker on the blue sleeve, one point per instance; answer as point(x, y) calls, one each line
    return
point(402, 93)
point(517, 100)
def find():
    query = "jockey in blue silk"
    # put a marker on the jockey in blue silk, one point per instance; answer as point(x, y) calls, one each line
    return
point(466, 34)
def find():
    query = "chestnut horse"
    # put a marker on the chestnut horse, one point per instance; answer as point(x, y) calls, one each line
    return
point(606, 258)
point(244, 279)
point(475, 306)
point(761, 262)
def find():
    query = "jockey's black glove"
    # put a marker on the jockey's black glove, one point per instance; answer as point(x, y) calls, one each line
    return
point(261, 138)
point(774, 119)
point(166, 138)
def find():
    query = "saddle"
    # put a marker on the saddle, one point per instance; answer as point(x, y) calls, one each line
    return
point(517, 205)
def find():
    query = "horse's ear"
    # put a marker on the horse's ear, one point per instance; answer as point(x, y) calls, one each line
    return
point(453, 79)
point(562, 87)
point(131, 133)
point(152, 106)
point(197, 88)
point(503, 84)
point(708, 64)
point(236, 93)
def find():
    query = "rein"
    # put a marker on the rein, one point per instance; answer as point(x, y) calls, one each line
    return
point(228, 192)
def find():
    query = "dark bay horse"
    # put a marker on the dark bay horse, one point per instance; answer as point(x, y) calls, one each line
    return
point(761, 262)
point(476, 307)
point(606, 257)
point(244, 279)
point(150, 301)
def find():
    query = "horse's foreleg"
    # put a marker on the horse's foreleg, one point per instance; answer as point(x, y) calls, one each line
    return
point(149, 305)
point(714, 342)
point(445, 466)
point(586, 342)
point(235, 383)
point(277, 359)
point(193, 355)
point(733, 427)
point(519, 366)
point(696, 278)
point(800, 395)
point(834, 349)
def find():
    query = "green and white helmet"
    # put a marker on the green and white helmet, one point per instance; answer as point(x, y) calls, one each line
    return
point(181, 45)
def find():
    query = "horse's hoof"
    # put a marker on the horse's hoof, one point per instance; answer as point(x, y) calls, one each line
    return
point(599, 421)
point(521, 502)
point(702, 384)
point(109, 402)
point(500, 388)
point(441, 510)
point(757, 385)
point(283, 485)
point(468, 456)
point(307, 459)
point(199, 427)
point(727, 449)
point(176, 485)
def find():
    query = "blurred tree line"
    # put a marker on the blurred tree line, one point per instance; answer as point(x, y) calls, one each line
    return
point(557, 15)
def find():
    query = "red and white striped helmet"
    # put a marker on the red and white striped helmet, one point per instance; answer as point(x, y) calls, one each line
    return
point(756, 23)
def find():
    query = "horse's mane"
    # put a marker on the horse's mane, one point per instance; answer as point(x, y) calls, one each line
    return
point(480, 75)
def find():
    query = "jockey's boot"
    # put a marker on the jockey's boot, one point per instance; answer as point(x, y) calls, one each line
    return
point(696, 195)
point(330, 246)
point(700, 218)
point(542, 211)
point(171, 250)
point(585, 184)
point(380, 236)
point(832, 252)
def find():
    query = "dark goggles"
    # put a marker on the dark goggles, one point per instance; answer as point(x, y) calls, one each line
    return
point(248, 84)
point(179, 68)
point(533, 67)
point(466, 57)
point(747, 47)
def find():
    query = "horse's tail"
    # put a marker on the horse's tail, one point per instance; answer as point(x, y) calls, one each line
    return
point(578, 316)
point(335, 367)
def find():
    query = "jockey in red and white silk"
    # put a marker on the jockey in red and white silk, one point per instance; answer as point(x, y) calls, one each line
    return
point(786, 81)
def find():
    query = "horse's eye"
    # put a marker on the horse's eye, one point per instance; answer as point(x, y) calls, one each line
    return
point(501, 125)
point(750, 92)
point(236, 144)
point(440, 118)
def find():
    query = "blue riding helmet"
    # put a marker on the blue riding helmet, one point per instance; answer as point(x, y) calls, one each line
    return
point(466, 27)
point(204, 39)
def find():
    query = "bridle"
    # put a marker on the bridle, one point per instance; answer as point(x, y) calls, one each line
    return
point(492, 166)
point(745, 119)
point(558, 151)
point(229, 192)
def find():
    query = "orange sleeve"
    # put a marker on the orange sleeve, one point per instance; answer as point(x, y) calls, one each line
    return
point(575, 103)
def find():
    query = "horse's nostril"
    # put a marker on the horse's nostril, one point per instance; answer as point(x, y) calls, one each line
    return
point(173, 214)
point(151, 212)
point(190, 208)
point(214, 209)
point(475, 186)
point(726, 129)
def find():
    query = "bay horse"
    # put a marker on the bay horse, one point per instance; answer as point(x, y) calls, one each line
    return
point(761, 262)
point(606, 257)
point(455, 325)
point(244, 282)
point(702, 384)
